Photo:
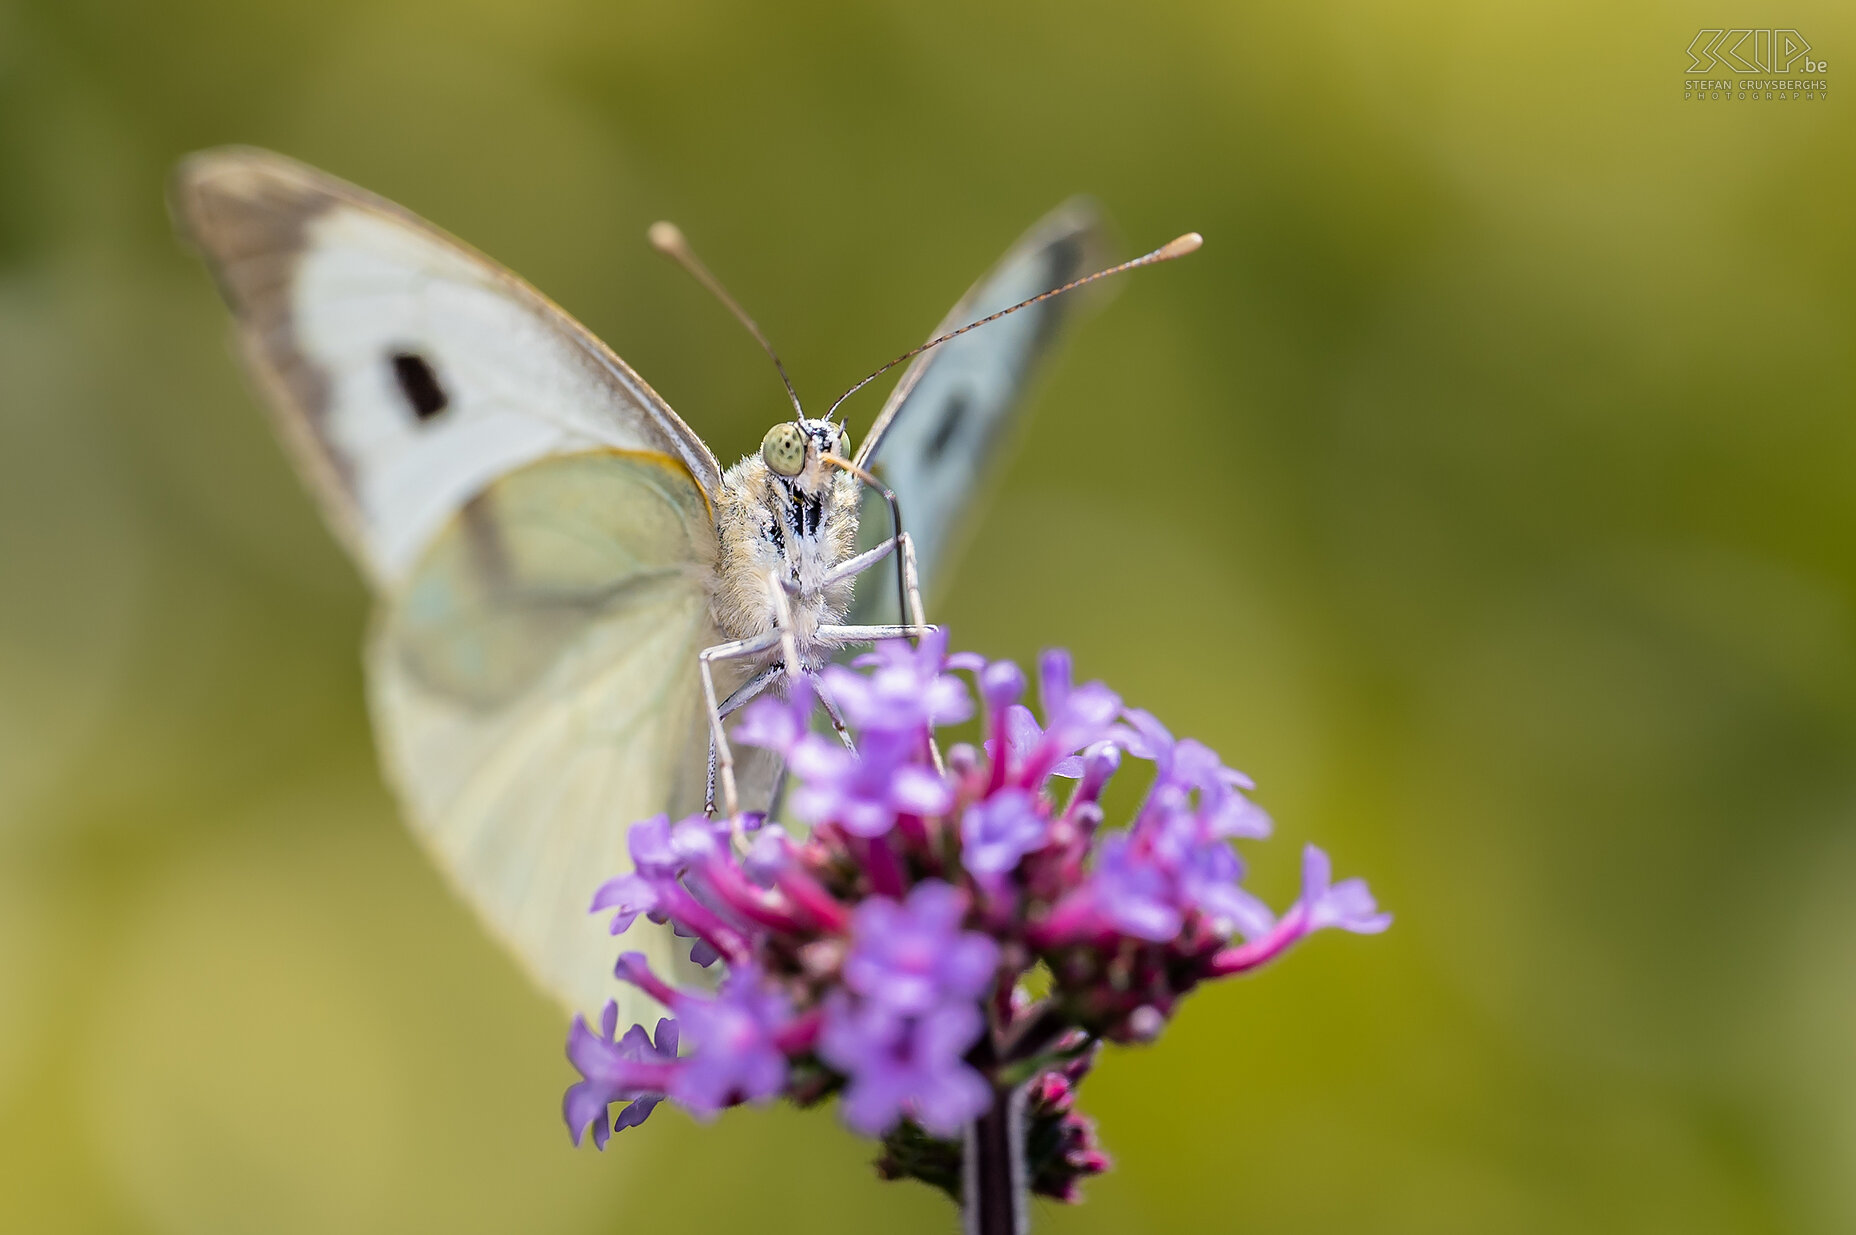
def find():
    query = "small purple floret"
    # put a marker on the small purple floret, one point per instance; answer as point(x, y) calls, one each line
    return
point(1131, 893)
point(777, 724)
point(630, 1070)
point(627, 896)
point(1347, 905)
point(1001, 684)
point(913, 956)
point(902, 1065)
point(997, 833)
point(863, 793)
point(734, 1050)
point(906, 691)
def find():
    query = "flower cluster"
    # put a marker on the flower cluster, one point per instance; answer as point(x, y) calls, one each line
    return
point(889, 956)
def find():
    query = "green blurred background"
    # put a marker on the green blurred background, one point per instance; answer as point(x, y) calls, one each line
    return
point(1484, 488)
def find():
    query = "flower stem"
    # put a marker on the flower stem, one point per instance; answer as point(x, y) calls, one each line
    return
point(993, 1169)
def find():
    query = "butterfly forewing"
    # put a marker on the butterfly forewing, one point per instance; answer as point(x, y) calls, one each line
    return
point(406, 369)
point(940, 434)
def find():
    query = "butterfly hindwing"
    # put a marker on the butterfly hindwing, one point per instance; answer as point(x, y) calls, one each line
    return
point(534, 690)
point(940, 435)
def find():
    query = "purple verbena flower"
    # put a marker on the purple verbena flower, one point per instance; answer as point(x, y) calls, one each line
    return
point(1198, 779)
point(997, 833)
point(734, 1044)
point(627, 896)
point(905, 1065)
point(1220, 802)
point(1347, 906)
point(1128, 892)
point(1001, 685)
point(771, 853)
point(884, 956)
point(633, 1070)
point(1209, 874)
point(913, 956)
point(777, 724)
point(1086, 715)
point(1022, 736)
point(864, 792)
point(906, 691)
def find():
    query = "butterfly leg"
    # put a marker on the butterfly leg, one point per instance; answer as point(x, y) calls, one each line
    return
point(776, 801)
point(911, 586)
point(722, 757)
point(745, 693)
point(912, 583)
point(851, 636)
point(738, 649)
point(837, 718)
point(783, 624)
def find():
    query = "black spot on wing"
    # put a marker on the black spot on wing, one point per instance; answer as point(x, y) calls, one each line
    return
point(1063, 261)
point(419, 385)
point(953, 415)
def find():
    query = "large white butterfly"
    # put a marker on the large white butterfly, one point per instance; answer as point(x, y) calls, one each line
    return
point(552, 548)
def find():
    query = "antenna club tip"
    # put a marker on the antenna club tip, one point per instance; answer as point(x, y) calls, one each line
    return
point(667, 237)
point(1188, 243)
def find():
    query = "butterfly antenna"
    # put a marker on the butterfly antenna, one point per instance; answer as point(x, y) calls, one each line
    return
point(1177, 247)
point(667, 238)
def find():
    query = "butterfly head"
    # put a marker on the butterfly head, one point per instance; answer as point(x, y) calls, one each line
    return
point(794, 449)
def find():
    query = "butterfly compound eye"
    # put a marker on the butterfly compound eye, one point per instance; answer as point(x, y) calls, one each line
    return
point(784, 449)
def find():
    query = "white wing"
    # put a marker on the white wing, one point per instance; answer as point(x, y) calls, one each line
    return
point(534, 692)
point(407, 370)
point(536, 521)
point(943, 429)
